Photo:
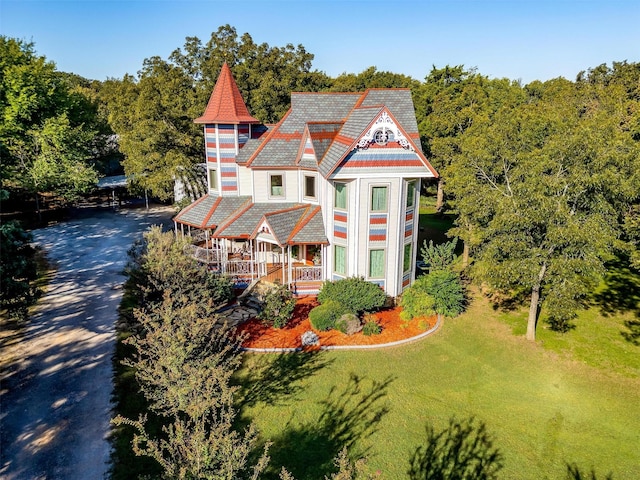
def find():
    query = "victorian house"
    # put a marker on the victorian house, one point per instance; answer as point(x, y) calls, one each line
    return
point(330, 191)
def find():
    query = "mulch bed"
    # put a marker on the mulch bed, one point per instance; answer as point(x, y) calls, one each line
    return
point(393, 329)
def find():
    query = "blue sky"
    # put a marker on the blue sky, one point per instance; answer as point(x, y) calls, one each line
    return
point(517, 39)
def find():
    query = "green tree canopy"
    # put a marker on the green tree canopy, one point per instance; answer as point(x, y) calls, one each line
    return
point(49, 129)
point(153, 112)
point(543, 183)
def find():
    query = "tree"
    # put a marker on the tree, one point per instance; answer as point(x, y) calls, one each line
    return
point(542, 183)
point(184, 357)
point(153, 113)
point(439, 257)
point(48, 130)
point(17, 270)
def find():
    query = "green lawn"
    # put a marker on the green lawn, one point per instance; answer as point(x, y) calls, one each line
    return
point(570, 398)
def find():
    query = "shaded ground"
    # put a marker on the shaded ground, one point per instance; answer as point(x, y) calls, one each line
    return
point(57, 372)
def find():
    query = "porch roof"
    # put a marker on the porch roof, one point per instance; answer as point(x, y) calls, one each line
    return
point(301, 224)
point(210, 211)
point(289, 223)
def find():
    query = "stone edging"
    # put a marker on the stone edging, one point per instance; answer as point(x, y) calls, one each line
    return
point(350, 347)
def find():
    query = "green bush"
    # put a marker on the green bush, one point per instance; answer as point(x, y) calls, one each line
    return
point(278, 306)
point(438, 292)
point(371, 328)
point(355, 293)
point(324, 317)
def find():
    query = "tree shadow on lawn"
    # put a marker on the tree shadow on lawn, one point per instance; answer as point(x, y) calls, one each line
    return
point(621, 294)
point(348, 416)
point(277, 380)
point(464, 449)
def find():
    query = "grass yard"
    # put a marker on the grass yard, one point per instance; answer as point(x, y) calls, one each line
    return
point(575, 402)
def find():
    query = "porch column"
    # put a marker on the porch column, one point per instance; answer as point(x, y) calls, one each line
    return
point(251, 257)
point(290, 264)
point(282, 257)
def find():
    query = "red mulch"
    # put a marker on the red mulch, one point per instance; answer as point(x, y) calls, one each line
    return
point(393, 329)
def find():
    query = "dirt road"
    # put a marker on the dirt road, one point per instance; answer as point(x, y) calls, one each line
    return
point(55, 400)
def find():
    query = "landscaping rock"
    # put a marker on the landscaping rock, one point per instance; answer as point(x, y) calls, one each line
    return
point(310, 339)
point(351, 322)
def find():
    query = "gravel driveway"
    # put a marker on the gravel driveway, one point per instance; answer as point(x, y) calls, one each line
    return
point(55, 399)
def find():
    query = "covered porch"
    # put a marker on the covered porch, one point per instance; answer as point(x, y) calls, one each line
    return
point(265, 241)
point(297, 266)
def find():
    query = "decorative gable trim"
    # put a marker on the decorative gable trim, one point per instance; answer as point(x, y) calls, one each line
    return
point(384, 130)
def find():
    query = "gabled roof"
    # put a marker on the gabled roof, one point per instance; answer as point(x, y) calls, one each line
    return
point(244, 221)
point(334, 122)
point(360, 121)
point(295, 225)
point(282, 143)
point(226, 104)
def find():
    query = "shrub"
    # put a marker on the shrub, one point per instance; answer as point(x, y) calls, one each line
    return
point(438, 292)
point(439, 257)
point(355, 293)
point(278, 306)
point(371, 328)
point(324, 317)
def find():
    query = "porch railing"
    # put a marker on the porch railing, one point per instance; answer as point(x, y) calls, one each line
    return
point(307, 274)
point(242, 271)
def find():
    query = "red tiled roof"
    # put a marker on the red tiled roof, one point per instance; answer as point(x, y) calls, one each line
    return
point(226, 104)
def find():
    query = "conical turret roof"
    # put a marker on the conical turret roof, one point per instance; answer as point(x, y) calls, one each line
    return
point(226, 104)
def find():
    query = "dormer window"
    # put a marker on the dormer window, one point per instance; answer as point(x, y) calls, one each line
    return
point(277, 185)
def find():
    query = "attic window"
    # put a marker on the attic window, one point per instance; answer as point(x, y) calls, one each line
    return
point(381, 137)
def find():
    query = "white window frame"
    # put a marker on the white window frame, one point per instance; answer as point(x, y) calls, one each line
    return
point(384, 264)
point(315, 187)
point(281, 175)
point(335, 195)
point(371, 188)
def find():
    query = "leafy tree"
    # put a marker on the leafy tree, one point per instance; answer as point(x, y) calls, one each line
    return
point(184, 357)
point(153, 113)
point(542, 184)
point(49, 128)
point(17, 270)
point(278, 306)
point(371, 78)
point(439, 257)
point(158, 265)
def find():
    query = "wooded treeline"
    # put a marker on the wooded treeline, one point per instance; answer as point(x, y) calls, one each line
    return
point(544, 178)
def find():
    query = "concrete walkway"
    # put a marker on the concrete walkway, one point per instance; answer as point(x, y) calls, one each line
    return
point(57, 373)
